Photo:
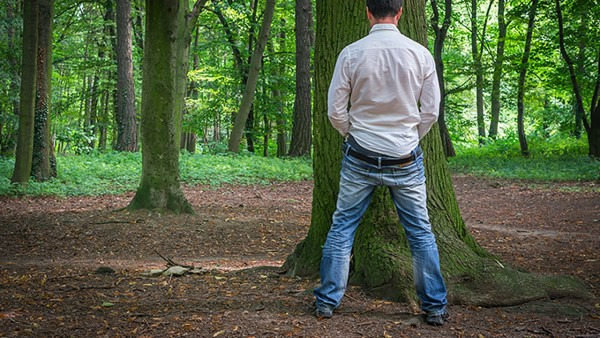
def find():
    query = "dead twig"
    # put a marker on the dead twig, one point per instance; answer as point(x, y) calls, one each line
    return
point(119, 222)
point(170, 262)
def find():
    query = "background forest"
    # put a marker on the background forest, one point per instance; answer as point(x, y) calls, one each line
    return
point(517, 80)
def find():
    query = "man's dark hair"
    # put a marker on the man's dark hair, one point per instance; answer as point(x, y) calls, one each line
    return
point(384, 8)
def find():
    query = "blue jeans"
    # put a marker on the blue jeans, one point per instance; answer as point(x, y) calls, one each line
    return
point(407, 187)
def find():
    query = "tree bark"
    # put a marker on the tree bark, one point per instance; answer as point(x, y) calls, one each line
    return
point(242, 115)
point(381, 258)
point(593, 129)
point(438, 47)
point(24, 153)
point(159, 187)
point(278, 72)
point(477, 53)
point(497, 77)
point(522, 75)
point(301, 128)
point(43, 153)
point(126, 115)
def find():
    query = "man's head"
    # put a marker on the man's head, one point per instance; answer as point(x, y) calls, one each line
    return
point(384, 9)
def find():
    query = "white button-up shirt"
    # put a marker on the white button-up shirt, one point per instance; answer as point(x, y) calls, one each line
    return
point(384, 77)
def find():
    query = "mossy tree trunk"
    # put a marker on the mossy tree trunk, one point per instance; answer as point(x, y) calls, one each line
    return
point(159, 187)
point(23, 159)
point(381, 257)
point(43, 162)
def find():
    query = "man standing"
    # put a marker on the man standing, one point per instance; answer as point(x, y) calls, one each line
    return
point(384, 77)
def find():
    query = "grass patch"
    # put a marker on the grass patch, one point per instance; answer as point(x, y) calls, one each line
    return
point(116, 173)
point(550, 160)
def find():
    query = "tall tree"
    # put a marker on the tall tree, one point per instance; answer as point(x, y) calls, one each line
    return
point(159, 187)
point(23, 159)
point(497, 77)
point(593, 128)
point(522, 75)
point(477, 53)
point(126, 118)
point(43, 161)
point(438, 47)
point(301, 127)
point(279, 72)
point(381, 258)
point(255, 63)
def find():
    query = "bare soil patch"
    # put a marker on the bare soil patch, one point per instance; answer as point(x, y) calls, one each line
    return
point(51, 248)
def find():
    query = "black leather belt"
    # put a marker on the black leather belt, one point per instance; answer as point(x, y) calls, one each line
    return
point(382, 162)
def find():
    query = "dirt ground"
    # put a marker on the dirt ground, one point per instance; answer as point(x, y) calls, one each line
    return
point(51, 248)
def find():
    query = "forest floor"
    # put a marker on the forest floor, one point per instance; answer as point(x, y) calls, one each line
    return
point(51, 248)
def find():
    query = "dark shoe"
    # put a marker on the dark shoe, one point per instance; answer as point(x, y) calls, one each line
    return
point(323, 311)
point(437, 319)
point(319, 313)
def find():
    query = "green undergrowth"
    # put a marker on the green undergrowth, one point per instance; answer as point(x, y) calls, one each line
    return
point(560, 159)
point(116, 173)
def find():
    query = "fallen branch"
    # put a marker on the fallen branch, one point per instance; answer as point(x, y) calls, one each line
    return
point(170, 262)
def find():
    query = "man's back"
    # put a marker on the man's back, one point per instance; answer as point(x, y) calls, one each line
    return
point(386, 75)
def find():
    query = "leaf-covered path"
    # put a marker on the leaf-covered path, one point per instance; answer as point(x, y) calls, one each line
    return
point(51, 248)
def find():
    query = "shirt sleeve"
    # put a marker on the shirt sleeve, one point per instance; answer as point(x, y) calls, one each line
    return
point(338, 95)
point(430, 98)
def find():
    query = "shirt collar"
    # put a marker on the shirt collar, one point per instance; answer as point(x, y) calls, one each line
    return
point(384, 27)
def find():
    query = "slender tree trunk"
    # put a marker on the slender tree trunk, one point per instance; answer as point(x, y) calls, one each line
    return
point(381, 257)
point(23, 158)
point(159, 187)
point(9, 126)
point(126, 113)
point(522, 75)
point(42, 150)
point(250, 119)
point(477, 53)
point(301, 128)
point(592, 129)
point(103, 126)
point(440, 38)
point(497, 77)
point(278, 73)
point(242, 115)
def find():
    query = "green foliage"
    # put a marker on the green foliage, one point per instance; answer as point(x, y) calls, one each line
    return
point(116, 173)
point(553, 159)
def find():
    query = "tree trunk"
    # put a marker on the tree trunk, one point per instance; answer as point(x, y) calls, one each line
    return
point(103, 126)
point(522, 75)
point(8, 128)
point(250, 120)
point(42, 150)
point(497, 77)
point(440, 38)
point(477, 53)
point(301, 128)
point(592, 129)
point(242, 115)
point(381, 258)
point(126, 119)
point(278, 73)
point(159, 187)
point(23, 158)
